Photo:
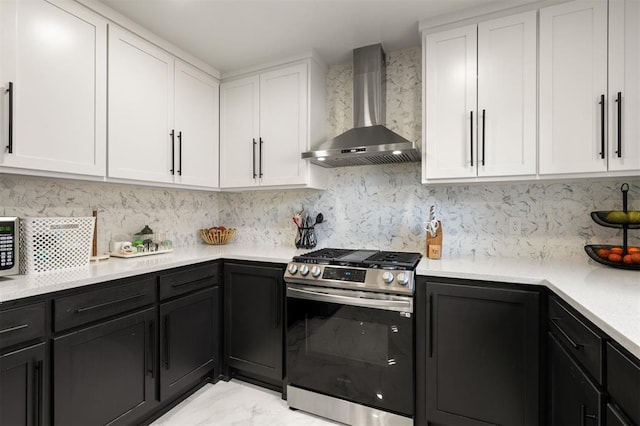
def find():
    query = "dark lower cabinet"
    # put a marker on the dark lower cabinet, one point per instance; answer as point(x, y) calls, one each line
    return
point(574, 399)
point(105, 374)
point(478, 354)
point(23, 387)
point(253, 330)
point(189, 340)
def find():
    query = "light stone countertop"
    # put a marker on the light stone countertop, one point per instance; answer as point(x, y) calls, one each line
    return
point(608, 297)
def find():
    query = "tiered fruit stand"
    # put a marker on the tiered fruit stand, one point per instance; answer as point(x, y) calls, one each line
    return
point(605, 218)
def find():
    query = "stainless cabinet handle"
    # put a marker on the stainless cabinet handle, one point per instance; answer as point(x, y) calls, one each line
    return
point(38, 393)
point(430, 327)
point(10, 123)
point(152, 342)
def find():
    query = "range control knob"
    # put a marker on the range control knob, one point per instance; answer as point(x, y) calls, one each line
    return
point(387, 277)
point(304, 270)
point(315, 271)
point(293, 268)
point(403, 278)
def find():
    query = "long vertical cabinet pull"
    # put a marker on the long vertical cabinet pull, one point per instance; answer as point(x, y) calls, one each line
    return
point(37, 406)
point(619, 101)
point(430, 327)
point(254, 158)
point(471, 145)
point(10, 140)
point(260, 159)
point(173, 151)
point(152, 343)
point(180, 153)
point(602, 147)
point(166, 342)
point(484, 113)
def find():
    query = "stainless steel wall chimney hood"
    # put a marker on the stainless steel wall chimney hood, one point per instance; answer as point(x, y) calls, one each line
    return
point(369, 142)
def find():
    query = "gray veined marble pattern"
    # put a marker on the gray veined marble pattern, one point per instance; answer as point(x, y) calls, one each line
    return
point(237, 403)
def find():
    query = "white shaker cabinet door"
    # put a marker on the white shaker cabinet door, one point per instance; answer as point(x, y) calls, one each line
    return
point(196, 124)
point(507, 101)
point(624, 85)
point(573, 85)
point(140, 109)
point(239, 132)
point(54, 55)
point(283, 126)
point(450, 93)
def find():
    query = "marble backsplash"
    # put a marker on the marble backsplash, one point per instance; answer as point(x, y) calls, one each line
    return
point(122, 209)
point(379, 207)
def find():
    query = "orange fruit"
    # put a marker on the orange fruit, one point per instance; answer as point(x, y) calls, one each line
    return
point(627, 259)
point(614, 257)
point(632, 250)
point(635, 258)
point(604, 253)
point(616, 250)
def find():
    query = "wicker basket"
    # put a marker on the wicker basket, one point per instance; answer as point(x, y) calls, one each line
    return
point(217, 236)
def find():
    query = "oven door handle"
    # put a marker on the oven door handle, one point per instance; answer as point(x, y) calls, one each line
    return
point(404, 304)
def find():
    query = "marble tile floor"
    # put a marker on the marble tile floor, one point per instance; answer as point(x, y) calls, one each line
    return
point(236, 403)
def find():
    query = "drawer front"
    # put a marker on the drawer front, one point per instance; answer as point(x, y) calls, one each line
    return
point(623, 382)
point(19, 325)
point(83, 308)
point(580, 340)
point(186, 280)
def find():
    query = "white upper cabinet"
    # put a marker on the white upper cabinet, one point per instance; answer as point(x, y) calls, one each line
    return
point(573, 88)
point(624, 85)
point(239, 132)
point(140, 109)
point(507, 125)
point(450, 84)
point(480, 91)
point(196, 121)
point(266, 123)
point(283, 126)
point(163, 115)
point(54, 61)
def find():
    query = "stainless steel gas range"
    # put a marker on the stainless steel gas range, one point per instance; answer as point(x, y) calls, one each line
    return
point(350, 335)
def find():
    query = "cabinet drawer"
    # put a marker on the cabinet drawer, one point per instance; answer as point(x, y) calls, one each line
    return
point(79, 309)
point(623, 382)
point(188, 279)
point(580, 340)
point(22, 324)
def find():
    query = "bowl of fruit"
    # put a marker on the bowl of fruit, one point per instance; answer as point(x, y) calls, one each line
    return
point(615, 256)
point(217, 235)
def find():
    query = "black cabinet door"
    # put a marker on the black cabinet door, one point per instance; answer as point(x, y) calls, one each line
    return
point(188, 340)
point(253, 330)
point(573, 398)
point(23, 387)
point(105, 374)
point(482, 355)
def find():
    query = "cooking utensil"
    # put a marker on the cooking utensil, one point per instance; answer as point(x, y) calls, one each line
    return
point(319, 219)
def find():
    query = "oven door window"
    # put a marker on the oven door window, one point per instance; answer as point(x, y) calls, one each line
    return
point(364, 355)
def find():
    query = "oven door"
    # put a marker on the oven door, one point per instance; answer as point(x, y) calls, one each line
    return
point(352, 345)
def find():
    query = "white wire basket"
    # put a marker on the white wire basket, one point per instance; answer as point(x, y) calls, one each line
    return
point(54, 243)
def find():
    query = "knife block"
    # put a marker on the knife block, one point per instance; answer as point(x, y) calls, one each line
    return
point(434, 243)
